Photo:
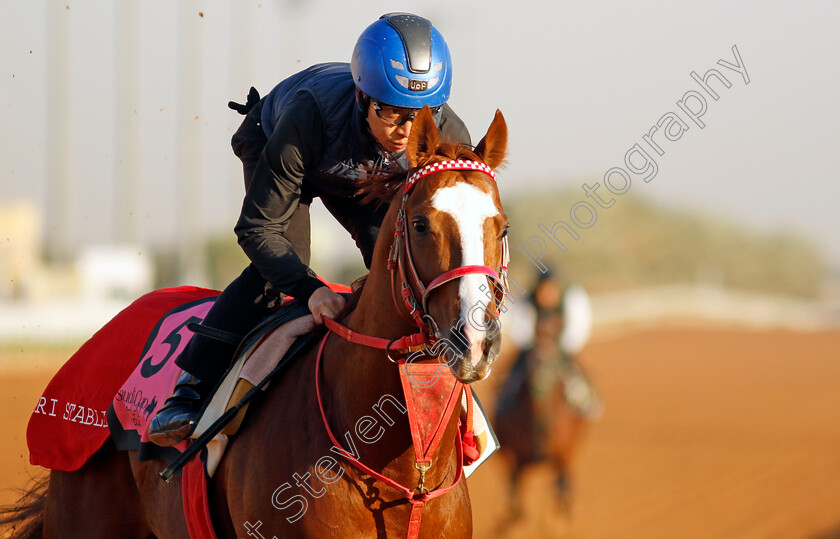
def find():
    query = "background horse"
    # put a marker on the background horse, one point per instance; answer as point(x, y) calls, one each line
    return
point(281, 475)
point(546, 401)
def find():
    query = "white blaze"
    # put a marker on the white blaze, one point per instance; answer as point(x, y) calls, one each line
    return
point(469, 207)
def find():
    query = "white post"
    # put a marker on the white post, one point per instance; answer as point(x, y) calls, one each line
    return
point(190, 158)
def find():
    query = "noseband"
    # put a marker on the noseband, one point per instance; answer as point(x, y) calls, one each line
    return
point(400, 257)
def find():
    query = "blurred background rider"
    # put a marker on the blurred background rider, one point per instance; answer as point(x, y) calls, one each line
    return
point(314, 135)
point(554, 325)
point(546, 402)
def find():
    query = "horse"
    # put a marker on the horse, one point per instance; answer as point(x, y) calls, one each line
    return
point(448, 229)
point(545, 404)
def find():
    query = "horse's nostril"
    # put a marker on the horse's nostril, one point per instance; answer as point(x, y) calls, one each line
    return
point(459, 340)
point(492, 346)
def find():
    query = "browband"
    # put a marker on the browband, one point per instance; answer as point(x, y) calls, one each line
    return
point(458, 164)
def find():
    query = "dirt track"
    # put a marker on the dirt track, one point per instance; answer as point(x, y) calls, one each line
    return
point(707, 433)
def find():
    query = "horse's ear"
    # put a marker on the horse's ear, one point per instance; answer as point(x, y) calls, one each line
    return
point(423, 140)
point(493, 146)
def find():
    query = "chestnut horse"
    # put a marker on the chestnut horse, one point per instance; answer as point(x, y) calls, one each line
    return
point(547, 401)
point(281, 475)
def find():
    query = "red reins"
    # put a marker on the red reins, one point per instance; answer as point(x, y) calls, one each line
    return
point(406, 343)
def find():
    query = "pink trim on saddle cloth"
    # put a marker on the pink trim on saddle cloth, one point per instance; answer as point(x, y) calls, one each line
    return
point(155, 376)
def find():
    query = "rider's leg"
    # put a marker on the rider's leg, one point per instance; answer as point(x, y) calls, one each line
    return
point(240, 307)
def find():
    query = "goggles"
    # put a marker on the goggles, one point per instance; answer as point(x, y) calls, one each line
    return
point(397, 116)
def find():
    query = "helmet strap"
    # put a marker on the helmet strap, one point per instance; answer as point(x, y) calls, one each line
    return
point(362, 102)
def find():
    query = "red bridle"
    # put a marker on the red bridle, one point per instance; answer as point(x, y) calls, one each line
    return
point(400, 256)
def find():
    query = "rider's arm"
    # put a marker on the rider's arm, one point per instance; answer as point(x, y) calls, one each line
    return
point(272, 197)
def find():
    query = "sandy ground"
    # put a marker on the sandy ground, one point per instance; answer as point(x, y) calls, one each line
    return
point(707, 433)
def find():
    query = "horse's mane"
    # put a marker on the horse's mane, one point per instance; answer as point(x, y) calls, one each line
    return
point(380, 189)
point(356, 286)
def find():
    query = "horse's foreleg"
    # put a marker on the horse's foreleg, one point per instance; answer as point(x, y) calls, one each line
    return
point(514, 505)
point(98, 500)
point(563, 491)
point(514, 494)
point(567, 433)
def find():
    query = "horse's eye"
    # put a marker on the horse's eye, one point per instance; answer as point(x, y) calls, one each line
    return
point(419, 226)
point(504, 232)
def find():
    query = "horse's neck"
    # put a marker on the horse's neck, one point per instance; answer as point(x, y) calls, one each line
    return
point(357, 374)
point(362, 381)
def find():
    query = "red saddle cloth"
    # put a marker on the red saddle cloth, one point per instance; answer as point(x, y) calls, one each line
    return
point(69, 422)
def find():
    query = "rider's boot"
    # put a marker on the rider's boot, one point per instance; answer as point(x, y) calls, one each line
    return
point(178, 416)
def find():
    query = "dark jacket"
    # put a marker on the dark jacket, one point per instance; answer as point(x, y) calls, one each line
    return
point(319, 145)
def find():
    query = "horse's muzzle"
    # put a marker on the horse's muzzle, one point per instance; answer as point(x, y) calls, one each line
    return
point(468, 368)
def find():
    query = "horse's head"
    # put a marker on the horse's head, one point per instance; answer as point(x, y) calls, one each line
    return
point(454, 233)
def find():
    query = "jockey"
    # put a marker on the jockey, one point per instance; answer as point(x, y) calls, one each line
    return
point(551, 329)
point(314, 135)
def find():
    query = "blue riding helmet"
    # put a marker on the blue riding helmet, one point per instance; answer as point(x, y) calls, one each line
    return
point(403, 61)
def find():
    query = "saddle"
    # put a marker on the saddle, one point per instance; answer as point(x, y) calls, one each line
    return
point(266, 351)
point(285, 332)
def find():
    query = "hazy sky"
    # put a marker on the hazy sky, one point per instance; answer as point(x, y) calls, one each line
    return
point(579, 83)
